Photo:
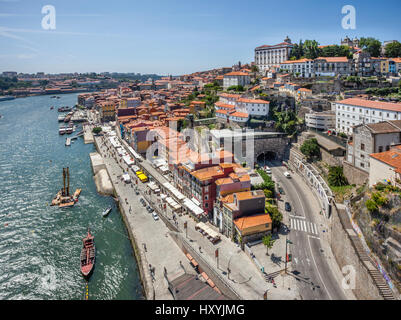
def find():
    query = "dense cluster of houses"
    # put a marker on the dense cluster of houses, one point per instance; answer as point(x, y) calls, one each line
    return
point(148, 121)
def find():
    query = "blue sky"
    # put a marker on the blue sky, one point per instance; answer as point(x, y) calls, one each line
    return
point(173, 36)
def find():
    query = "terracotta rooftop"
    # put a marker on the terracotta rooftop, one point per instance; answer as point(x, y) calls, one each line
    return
point(259, 101)
point(252, 221)
point(333, 59)
point(371, 104)
point(392, 157)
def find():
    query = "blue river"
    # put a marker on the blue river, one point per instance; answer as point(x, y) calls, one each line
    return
point(40, 245)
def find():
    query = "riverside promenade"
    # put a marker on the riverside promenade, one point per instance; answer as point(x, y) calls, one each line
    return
point(151, 240)
point(243, 280)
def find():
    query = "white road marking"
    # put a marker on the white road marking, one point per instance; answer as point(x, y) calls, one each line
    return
point(305, 228)
point(297, 217)
point(317, 269)
point(315, 228)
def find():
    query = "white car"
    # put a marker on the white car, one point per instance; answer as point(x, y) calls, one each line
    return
point(155, 216)
point(287, 174)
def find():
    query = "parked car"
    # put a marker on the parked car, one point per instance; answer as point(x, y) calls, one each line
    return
point(155, 216)
point(287, 207)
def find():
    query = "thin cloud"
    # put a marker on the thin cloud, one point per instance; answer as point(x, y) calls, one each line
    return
point(55, 32)
point(4, 32)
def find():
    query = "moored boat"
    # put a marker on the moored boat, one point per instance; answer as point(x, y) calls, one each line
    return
point(107, 211)
point(88, 255)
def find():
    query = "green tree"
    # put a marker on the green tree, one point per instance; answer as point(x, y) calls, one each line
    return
point(254, 69)
point(238, 88)
point(276, 216)
point(268, 242)
point(336, 51)
point(393, 50)
point(311, 49)
point(371, 206)
point(379, 199)
point(371, 45)
point(297, 51)
point(310, 148)
point(97, 130)
point(336, 177)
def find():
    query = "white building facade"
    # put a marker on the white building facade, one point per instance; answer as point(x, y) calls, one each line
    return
point(303, 67)
point(356, 111)
point(236, 79)
point(253, 107)
point(267, 56)
point(321, 120)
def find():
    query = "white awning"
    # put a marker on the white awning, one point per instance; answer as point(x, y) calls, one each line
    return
point(172, 203)
point(193, 207)
point(128, 160)
point(136, 168)
point(195, 201)
point(164, 169)
point(134, 153)
point(174, 191)
point(153, 186)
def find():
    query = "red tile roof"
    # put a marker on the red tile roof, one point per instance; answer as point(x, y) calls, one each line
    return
point(333, 59)
point(392, 157)
point(371, 104)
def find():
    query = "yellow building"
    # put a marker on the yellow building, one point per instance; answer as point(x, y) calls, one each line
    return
point(384, 67)
point(123, 104)
point(108, 111)
point(253, 228)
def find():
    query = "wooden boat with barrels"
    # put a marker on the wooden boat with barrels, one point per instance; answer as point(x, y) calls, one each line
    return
point(63, 198)
point(88, 255)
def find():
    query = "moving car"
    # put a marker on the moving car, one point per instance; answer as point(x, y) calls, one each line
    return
point(287, 207)
point(287, 175)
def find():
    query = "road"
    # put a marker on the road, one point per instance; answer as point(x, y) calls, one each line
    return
point(310, 262)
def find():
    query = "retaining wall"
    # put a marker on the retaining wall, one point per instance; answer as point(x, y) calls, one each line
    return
point(344, 251)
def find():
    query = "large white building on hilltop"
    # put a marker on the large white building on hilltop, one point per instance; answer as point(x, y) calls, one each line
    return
point(356, 111)
point(267, 56)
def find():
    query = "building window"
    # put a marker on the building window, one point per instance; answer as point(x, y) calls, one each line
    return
point(380, 149)
point(387, 148)
point(362, 165)
point(362, 147)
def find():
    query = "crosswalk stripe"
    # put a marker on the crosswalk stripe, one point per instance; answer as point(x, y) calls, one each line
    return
point(291, 224)
point(305, 229)
point(298, 225)
point(316, 231)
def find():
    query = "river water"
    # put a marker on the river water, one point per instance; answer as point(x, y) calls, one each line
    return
point(40, 245)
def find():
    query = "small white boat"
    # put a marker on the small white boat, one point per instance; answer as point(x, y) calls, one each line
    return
point(107, 211)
